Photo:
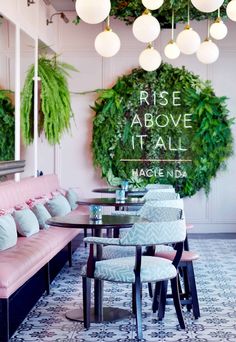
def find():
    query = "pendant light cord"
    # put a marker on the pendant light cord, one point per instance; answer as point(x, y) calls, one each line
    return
point(172, 24)
point(188, 13)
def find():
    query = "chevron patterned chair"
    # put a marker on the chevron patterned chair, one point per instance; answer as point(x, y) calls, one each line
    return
point(140, 268)
point(158, 186)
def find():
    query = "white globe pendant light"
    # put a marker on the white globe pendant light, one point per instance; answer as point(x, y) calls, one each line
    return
point(188, 41)
point(231, 10)
point(93, 11)
point(207, 6)
point(218, 29)
point(150, 59)
point(107, 43)
point(152, 4)
point(208, 52)
point(146, 28)
point(172, 50)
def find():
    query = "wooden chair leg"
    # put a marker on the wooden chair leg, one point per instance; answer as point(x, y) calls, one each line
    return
point(177, 304)
point(150, 291)
point(133, 300)
point(138, 305)
point(162, 300)
point(193, 290)
point(98, 299)
point(86, 301)
point(85, 235)
point(155, 301)
point(70, 253)
point(186, 286)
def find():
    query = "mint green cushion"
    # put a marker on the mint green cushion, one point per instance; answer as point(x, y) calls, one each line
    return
point(26, 222)
point(121, 270)
point(58, 206)
point(8, 232)
point(42, 215)
point(72, 198)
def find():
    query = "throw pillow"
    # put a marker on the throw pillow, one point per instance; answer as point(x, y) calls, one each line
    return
point(58, 206)
point(42, 215)
point(8, 233)
point(26, 222)
point(72, 198)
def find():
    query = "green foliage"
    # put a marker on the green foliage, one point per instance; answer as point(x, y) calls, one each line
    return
point(55, 109)
point(128, 11)
point(209, 141)
point(7, 126)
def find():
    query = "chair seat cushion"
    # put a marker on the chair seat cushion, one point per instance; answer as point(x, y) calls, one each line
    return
point(187, 256)
point(121, 270)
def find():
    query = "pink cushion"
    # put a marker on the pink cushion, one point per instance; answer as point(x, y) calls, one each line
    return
point(186, 256)
point(12, 193)
point(21, 262)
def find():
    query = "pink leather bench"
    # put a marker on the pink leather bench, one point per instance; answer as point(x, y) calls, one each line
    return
point(31, 254)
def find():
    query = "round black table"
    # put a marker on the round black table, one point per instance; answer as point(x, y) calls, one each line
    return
point(112, 202)
point(107, 222)
point(131, 192)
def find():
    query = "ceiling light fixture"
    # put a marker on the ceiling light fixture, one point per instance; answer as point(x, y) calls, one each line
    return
point(207, 6)
point(188, 40)
point(150, 58)
point(172, 50)
point(231, 10)
point(62, 16)
point(146, 28)
point(152, 4)
point(93, 11)
point(218, 29)
point(107, 43)
point(208, 51)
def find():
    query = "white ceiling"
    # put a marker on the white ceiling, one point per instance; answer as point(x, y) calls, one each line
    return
point(62, 5)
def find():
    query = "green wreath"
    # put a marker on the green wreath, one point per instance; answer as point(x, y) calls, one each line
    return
point(188, 139)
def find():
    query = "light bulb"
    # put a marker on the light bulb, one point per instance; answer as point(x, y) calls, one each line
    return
point(93, 11)
point(107, 43)
point(208, 52)
point(152, 4)
point(207, 6)
point(231, 10)
point(172, 50)
point(218, 29)
point(188, 41)
point(146, 28)
point(150, 59)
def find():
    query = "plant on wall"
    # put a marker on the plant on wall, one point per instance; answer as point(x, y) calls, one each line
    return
point(128, 11)
point(167, 126)
point(55, 108)
point(7, 126)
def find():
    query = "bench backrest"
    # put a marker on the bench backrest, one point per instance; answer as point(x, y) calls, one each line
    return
point(16, 193)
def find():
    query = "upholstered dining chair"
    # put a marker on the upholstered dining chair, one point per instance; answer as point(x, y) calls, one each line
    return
point(159, 186)
point(189, 296)
point(139, 268)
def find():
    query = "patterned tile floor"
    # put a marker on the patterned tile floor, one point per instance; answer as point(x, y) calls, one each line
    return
point(216, 278)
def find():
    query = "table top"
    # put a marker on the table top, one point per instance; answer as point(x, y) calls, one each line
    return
point(130, 192)
point(128, 202)
point(83, 221)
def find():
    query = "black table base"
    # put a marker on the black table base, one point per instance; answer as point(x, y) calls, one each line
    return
point(109, 314)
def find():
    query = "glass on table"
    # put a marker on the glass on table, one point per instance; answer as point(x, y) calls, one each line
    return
point(120, 195)
point(125, 185)
point(95, 212)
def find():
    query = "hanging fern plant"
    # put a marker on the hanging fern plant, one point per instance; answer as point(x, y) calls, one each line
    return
point(166, 126)
point(7, 131)
point(55, 108)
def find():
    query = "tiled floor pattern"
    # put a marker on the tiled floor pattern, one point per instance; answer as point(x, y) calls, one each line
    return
point(216, 281)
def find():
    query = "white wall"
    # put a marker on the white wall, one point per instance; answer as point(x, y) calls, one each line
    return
point(213, 214)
